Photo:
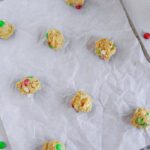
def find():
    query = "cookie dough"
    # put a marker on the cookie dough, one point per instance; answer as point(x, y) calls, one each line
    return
point(53, 145)
point(75, 3)
point(28, 85)
point(82, 102)
point(55, 39)
point(141, 118)
point(6, 30)
point(105, 48)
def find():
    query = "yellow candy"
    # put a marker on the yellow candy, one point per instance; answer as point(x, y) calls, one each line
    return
point(141, 118)
point(6, 29)
point(53, 145)
point(28, 85)
point(55, 39)
point(105, 48)
point(82, 102)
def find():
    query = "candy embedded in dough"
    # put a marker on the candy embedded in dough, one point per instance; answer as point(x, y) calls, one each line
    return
point(105, 49)
point(75, 3)
point(28, 85)
point(141, 118)
point(6, 30)
point(82, 102)
point(55, 39)
point(53, 145)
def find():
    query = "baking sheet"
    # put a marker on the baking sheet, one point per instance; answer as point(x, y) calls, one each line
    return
point(140, 14)
point(117, 87)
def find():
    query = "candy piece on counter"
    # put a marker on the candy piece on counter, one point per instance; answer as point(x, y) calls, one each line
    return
point(3, 145)
point(53, 145)
point(105, 48)
point(141, 118)
point(6, 30)
point(146, 35)
point(55, 39)
point(82, 102)
point(28, 85)
point(75, 3)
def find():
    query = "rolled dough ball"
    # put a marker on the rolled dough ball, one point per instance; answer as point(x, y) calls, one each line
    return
point(28, 85)
point(53, 145)
point(141, 118)
point(105, 48)
point(55, 39)
point(6, 30)
point(82, 102)
point(75, 3)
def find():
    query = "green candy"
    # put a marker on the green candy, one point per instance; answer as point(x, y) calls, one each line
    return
point(113, 46)
point(2, 23)
point(144, 125)
point(58, 147)
point(98, 52)
point(46, 35)
point(50, 46)
point(2, 145)
point(148, 114)
point(30, 76)
point(140, 121)
point(70, 4)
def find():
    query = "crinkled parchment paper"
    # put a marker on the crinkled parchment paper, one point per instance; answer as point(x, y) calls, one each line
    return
point(118, 87)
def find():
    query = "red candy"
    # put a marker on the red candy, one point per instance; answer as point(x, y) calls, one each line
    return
point(26, 82)
point(147, 35)
point(78, 6)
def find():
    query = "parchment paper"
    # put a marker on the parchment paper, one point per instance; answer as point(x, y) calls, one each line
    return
point(117, 87)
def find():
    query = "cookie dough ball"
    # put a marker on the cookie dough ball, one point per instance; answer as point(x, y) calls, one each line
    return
point(82, 102)
point(53, 145)
point(28, 85)
point(141, 118)
point(55, 39)
point(75, 3)
point(6, 30)
point(105, 48)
